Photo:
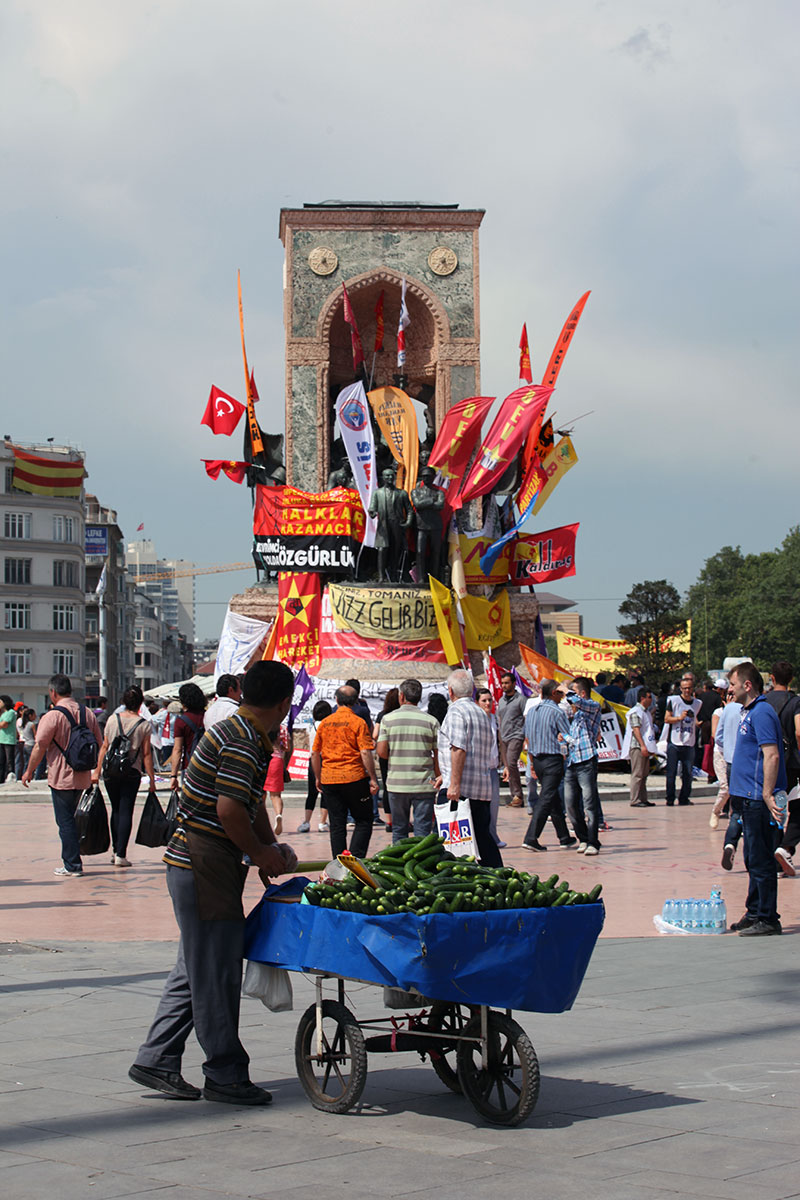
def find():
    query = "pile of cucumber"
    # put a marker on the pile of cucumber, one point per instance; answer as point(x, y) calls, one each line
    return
point(419, 876)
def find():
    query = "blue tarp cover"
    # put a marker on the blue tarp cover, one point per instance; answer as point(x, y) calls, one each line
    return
point(532, 959)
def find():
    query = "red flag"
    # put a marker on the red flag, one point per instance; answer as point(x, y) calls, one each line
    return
point(517, 414)
point(525, 356)
point(223, 413)
point(458, 434)
point(298, 620)
point(253, 388)
point(560, 349)
point(234, 470)
point(47, 476)
point(379, 324)
point(492, 676)
point(350, 319)
point(402, 324)
point(139, 528)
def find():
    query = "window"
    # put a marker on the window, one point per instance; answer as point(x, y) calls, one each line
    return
point(63, 529)
point(147, 660)
point(18, 662)
point(138, 658)
point(64, 617)
point(65, 574)
point(146, 635)
point(17, 525)
point(91, 664)
point(139, 635)
point(63, 662)
point(91, 626)
point(18, 570)
point(18, 616)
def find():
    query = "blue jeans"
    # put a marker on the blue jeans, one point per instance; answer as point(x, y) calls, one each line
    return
point(580, 793)
point(400, 806)
point(685, 756)
point(759, 859)
point(65, 801)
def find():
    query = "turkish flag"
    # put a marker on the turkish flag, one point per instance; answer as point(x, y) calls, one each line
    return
point(223, 413)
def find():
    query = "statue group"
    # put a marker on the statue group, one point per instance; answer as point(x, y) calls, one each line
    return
point(397, 514)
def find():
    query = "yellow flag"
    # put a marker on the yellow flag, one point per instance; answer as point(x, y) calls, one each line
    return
point(446, 621)
point(555, 466)
point(457, 577)
point(486, 622)
point(395, 414)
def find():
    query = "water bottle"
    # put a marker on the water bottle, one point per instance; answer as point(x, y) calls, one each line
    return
point(670, 913)
point(708, 917)
point(665, 912)
point(694, 913)
point(782, 800)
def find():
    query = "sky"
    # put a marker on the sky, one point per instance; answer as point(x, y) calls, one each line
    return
point(647, 151)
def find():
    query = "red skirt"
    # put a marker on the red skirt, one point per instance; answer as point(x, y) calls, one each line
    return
point(274, 782)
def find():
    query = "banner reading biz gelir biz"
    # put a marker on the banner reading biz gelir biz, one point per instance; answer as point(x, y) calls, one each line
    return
point(307, 531)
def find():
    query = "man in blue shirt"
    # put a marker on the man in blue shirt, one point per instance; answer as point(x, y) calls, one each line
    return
point(757, 772)
point(580, 778)
point(546, 732)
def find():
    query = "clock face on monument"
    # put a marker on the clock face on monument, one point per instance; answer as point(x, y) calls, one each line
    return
point(323, 261)
point(442, 260)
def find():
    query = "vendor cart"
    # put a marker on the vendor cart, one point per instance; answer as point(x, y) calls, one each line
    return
point(457, 976)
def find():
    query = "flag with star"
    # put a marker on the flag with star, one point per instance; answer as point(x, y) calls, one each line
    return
point(298, 620)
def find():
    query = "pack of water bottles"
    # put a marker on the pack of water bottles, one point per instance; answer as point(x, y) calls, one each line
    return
point(694, 915)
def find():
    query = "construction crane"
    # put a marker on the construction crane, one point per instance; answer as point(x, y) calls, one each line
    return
point(184, 573)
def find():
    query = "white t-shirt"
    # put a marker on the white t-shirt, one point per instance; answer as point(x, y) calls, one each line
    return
point(222, 708)
point(684, 734)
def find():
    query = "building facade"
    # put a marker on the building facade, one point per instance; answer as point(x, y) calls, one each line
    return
point(111, 614)
point(168, 582)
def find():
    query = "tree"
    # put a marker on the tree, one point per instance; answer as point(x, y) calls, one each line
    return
point(551, 647)
point(656, 616)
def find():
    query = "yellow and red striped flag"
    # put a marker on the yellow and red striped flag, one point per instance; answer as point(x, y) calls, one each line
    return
point(47, 476)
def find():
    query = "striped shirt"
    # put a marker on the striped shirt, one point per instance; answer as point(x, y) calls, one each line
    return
point(412, 736)
point(231, 760)
point(467, 727)
point(542, 727)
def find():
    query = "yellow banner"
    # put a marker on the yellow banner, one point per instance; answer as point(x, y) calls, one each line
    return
point(395, 414)
point(562, 458)
point(446, 622)
point(586, 656)
point(487, 623)
point(392, 614)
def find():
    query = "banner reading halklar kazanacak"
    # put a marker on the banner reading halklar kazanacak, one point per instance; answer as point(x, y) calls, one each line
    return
point(307, 531)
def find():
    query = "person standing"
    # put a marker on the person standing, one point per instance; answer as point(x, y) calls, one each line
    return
point(465, 752)
point(344, 767)
point(726, 733)
point(757, 772)
point(226, 701)
point(188, 730)
point(123, 786)
point(511, 729)
point(638, 745)
point(580, 774)
point(682, 722)
point(483, 697)
point(409, 744)
point(221, 817)
point(547, 733)
point(8, 737)
point(319, 712)
point(787, 705)
point(66, 783)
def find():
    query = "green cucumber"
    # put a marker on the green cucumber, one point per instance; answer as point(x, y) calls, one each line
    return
point(594, 894)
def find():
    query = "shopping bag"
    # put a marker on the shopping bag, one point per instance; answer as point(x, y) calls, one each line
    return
point(152, 824)
point(271, 985)
point(171, 817)
point(454, 822)
point(91, 820)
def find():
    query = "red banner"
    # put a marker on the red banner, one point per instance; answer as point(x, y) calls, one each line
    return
point(511, 426)
point(299, 609)
point(234, 470)
point(316, 531)
point(458, 434)
point(543, 557)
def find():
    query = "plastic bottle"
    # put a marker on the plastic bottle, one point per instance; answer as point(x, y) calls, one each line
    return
point(665, 912)
point(782, 801)
point(694, 913)
point(677, 914)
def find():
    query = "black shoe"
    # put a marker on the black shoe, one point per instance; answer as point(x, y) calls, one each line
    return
point(377, 821)
point(761, 929)
point(566, 843)
point(641, 804)
point(171, 1083)
point(670, 804)
point(237, 1093)
point(728, 855)
point(534, 846)
point(742, 923)
point(685, 803)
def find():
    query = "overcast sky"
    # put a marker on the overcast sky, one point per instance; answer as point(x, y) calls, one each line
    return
point(647, 151)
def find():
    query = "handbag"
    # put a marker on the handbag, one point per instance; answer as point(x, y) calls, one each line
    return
point(171, 817)
point(91, 821)
point(454, 823)
point(153, 824)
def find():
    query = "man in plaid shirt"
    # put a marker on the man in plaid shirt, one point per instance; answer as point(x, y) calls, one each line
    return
point(466, 741)
point(580, 778)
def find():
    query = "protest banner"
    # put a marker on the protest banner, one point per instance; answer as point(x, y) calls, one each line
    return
point(394, 614)
point(298, 621)
point(307, 531)
point(397, 419)
point(586, 656)
point(609, 741)
point(530, 558)
point(340, 643)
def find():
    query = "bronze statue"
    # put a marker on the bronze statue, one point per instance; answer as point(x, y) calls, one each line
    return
point(392, 507)
point(428, 503)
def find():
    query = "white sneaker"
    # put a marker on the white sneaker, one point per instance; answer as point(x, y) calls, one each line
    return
point(713, 821)
point(590, 850)
point(11, 777)
point(121, 861)
point(584, 846)
point(62, 873)
point(303, 827)
point(277, 825)
point(784, 860)
point(323, 827)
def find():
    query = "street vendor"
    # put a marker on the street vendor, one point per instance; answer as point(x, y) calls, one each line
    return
point(221, 816)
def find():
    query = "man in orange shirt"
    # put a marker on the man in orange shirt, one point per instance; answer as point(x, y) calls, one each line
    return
point(343, 764)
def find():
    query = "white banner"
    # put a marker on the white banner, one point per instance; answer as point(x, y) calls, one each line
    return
point(238, 642)
point(609, 743)
point(352, 416)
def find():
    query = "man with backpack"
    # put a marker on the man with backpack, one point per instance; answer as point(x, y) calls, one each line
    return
point(69, 736)
point(787, 705)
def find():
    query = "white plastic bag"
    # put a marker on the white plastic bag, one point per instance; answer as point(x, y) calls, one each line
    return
point(271, 985)
point(454, 822)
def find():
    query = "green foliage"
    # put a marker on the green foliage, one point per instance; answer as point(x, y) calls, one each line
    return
point(655, 615)
point(747, 605)
point(551, 647)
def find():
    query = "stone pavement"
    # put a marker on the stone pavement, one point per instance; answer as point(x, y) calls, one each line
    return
point(673, 1076)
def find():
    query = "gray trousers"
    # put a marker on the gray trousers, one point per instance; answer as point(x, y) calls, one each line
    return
point(401, 804)
point(640, 769)
point(510, 752)
point(202, 992)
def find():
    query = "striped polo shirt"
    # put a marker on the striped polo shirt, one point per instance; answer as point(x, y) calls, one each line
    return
point(412, 736)
point(231, 760)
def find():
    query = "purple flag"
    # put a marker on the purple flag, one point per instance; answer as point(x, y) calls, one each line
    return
point(521, 684)
point(303, 688)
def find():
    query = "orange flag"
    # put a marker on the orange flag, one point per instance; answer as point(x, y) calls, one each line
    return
point(539, 667)
point(395, 414)
point(565, 337)
point(257, 445)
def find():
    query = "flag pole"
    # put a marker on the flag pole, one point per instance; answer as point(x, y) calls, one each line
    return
point(372, 371)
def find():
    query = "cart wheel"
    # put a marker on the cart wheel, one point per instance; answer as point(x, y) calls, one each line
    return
point(334, 1080)
point(449, 1018)
point(506, 1091)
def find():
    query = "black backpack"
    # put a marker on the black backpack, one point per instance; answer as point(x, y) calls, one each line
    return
point(118, 764)
point(786, 714)
point(81, 750)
